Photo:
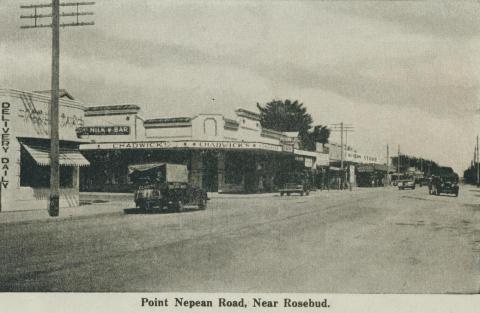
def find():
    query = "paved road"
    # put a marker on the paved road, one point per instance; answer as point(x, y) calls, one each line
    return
point(364, 241)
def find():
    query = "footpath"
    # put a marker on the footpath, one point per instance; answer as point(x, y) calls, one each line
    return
point(96, 204)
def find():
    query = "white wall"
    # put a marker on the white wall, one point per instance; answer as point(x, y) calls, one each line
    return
point(29, 118)
point(170, 132)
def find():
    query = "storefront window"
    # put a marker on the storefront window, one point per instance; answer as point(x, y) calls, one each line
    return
point(34, 175)
point(233, 169)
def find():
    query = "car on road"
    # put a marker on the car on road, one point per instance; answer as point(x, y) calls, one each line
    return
point(406, 182)
point(444, 184)
point(289, 188)
point(165, 186)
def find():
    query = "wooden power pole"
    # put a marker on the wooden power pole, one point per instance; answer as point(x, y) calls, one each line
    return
point(386, 183)
point(54, 203)
point(477, 166)
point(342, 128)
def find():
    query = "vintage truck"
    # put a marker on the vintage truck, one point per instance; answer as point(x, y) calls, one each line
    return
point(165, 186)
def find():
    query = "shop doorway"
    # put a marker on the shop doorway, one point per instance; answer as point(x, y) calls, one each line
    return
point(250, 172)
point(210, 172)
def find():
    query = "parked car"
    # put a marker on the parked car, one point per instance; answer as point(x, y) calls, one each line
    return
point(423, 181)
point(444, 184)
point(290, 188)
point(165, 186)
point(406, 183)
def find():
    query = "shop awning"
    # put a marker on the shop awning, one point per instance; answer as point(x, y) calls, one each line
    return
point(67, 157)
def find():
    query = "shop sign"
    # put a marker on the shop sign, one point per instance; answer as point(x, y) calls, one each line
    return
point(286, 147)
point(5, 161)
point(103, 130)
point(308, 162)
point(189, 144)
point(40, 117)
point(368, 168)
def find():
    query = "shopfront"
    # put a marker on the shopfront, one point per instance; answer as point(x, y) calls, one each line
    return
point(371, 175)
point(25, 175)
point(222, 154)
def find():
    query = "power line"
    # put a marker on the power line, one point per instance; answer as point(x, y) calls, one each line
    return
point(53, 208)
point(342, 128)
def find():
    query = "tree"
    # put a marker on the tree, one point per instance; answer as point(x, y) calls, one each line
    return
point(287, 116)
point(319, 134)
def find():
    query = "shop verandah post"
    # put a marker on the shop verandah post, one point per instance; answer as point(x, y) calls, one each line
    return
point(55, 14)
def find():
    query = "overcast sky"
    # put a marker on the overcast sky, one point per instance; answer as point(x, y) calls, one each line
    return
point(402, 73)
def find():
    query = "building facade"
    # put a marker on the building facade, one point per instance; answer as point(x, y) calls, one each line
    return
point(229, 155)
point(25, 173)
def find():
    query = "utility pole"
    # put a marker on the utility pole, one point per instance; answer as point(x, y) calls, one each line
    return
point(342, 128)
point(398, 160)
point(341, 145)
point(478, 167)
point(53, 208)
point(474, 164)
point(386, 183)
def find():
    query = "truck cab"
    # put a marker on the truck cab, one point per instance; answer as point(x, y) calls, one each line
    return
point(165, 186)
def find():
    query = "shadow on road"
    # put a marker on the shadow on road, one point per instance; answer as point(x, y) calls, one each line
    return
point(157, 211)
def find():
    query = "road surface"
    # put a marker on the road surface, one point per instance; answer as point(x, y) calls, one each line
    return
point(378, 240)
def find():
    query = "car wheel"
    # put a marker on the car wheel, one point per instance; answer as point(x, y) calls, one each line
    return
point(456, 194)
point(301, 193)
point(281, 194)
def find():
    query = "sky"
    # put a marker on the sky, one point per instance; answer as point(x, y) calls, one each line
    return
point(401, 73)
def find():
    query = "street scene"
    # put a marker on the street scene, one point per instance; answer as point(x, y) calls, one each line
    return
point(367, 241)
point(240, 146)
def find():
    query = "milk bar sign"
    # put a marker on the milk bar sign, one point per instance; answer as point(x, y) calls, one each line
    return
point(102, 130)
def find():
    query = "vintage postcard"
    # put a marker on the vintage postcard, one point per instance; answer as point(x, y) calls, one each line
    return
point(240, 155)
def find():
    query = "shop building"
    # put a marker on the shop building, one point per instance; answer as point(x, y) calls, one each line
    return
point(25, 172)
point(360, 169)
point(229, 155)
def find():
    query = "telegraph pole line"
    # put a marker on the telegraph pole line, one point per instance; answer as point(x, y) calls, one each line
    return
point(342, 128)
point(388, 167)
point(341, 145)
point(398, 160)
point(54, 199)
point(478, 167)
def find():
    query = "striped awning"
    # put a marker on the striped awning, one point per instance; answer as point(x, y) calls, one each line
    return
point(67, 157)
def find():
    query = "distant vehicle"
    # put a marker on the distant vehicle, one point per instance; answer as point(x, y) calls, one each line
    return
point(290, 188)
point(423, 181)
point(406, 182)
point(444, 184)
point(165, 186)
point(395, 177)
